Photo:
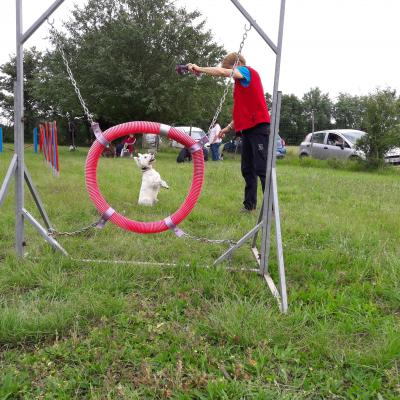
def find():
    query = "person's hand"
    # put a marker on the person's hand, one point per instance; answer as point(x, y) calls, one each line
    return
point(193, 68)
point(223, 132)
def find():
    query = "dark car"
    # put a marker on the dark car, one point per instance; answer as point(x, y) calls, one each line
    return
point(235, 146)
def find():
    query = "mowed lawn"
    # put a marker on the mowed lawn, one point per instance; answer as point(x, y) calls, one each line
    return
point(72, 329)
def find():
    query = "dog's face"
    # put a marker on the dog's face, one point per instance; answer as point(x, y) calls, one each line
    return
point(144, 160)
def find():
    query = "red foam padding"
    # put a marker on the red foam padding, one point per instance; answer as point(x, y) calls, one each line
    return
point(139, 127)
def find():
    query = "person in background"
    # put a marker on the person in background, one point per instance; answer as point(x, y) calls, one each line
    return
point(129, 143)
point(215, 141)
point(251, 120)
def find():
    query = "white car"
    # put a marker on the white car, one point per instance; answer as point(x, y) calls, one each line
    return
point(195, 133)
point(339, 144)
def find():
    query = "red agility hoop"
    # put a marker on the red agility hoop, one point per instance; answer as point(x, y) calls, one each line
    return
point(107, 212)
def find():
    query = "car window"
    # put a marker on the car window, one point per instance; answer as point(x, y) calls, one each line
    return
point(318, 137)
point(353, 136)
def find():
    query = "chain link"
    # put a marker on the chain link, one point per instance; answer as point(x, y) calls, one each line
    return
point(52, 232)
point(88, 114)
point(206, 240)
point(228, 85)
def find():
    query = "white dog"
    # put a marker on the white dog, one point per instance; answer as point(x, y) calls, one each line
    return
point(151, 180)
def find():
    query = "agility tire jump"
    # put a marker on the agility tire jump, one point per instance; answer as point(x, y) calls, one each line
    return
point(136, 127)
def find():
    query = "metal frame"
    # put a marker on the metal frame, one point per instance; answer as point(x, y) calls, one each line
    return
point(17, 166)
point(270, 207)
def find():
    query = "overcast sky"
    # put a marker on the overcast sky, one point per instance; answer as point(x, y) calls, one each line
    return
point(349, 46)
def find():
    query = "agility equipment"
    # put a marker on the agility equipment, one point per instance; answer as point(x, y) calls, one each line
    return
point(1, 139)
point(48, 145)
point(107, 212)
point(270, 207)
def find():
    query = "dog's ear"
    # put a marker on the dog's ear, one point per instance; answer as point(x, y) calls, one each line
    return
point(139, 154)
point(136, 161)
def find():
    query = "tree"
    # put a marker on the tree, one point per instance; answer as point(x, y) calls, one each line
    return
point(33, 60)
point(382, 123)
point(320, 105)
point(123, 55)
point(293, 122)
point(348, 111)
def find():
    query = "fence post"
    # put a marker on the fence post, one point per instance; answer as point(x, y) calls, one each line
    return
point(35, 140)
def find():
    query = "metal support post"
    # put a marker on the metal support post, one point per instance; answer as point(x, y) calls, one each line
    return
point(19, 134)
point(17, 166)
point(270, 204)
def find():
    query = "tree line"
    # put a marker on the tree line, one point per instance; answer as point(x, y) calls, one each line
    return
point(123, 55)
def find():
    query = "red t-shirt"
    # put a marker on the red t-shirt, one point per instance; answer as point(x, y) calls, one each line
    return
point(130, 141)
point(250, 107)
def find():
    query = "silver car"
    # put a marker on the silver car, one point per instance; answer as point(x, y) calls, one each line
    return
point(339, 144)
point(334, 143)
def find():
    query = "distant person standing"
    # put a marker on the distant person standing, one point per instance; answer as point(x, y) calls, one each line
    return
point(251, 121)
point(215, 141)
point(72, 133)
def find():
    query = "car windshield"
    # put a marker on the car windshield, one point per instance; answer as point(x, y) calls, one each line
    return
point(353, 136)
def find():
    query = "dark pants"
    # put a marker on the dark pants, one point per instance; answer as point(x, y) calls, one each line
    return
point(254, 161)
point(215, 151)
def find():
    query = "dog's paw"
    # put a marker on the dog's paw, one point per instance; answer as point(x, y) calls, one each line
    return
point(164, 185)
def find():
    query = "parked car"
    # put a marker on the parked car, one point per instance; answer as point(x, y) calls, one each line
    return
point(280, 147)
point(334, 143)
point(339, 144)
point(195, 133)
point(235, 146)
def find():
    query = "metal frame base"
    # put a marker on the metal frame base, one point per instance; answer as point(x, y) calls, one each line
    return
point(281, 293)
point(44, 232)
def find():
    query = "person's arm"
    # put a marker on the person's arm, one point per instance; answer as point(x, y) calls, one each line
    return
point(226, 130)
point(215, 71)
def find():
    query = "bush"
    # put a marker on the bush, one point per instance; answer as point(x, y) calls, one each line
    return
point(381, 121)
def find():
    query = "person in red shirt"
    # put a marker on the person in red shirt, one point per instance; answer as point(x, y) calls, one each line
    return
point(251, 121)
point(129, 142)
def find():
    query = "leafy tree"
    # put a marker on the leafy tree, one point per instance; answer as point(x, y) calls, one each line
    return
point(382, 124)
point(348, 111)
point(292, 120)
point(319, 104)
point(33, 61)
point(123, 55)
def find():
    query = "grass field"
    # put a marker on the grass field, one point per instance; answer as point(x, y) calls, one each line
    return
point(87, 330)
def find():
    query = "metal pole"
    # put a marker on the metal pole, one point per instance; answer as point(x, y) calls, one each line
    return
point(19, 134)
point(267, 204)
point(40, 20)
point(255, 25)
point(1, 139)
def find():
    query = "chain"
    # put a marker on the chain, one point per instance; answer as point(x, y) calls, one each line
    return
point(227, 87)
point(52, 232)
point(206, 240)
point(88, 114)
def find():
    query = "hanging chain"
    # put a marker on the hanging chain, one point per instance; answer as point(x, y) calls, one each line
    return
point(227, 87)
point(52, 232)
point(211, 241)
point(88, 114)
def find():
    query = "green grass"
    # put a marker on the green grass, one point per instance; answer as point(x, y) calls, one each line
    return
point(76, 330)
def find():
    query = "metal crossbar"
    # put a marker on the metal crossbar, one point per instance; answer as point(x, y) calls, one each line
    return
point(18, 169)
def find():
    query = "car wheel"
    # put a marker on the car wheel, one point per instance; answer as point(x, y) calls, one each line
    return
point(354, 158)
point(304, 155)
